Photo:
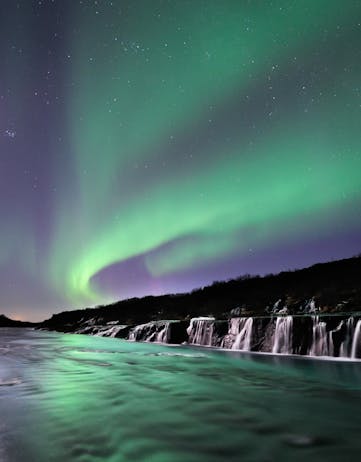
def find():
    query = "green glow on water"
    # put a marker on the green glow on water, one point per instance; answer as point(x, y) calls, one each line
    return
point(94, 399)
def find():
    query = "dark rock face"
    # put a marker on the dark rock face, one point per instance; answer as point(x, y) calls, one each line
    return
point(123, 332)
point(302, 335)
point(174, 332)
point(220, 330)
point(178, 332)
point(262, 334)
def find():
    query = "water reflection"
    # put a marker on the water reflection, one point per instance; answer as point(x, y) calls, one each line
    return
point(78, 398)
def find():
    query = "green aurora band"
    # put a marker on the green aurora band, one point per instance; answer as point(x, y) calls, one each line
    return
point(143, 87)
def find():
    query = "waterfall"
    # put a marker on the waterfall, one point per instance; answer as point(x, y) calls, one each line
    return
point(243, 329)
point(163, 334)
point(339, 328)
point(356, 343)
point(346, 345)
point(317, 335)
point(234, 326)
point(331, 351)
point(156, 331)
point(282, 342)
point(320, 339)
point(200, 331)
point(110, 331)
point(134, 333)
point(331, 335)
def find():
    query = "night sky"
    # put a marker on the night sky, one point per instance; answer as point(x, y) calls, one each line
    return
point(155, 146)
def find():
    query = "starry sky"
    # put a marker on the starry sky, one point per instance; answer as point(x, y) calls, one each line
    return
point(153, 146)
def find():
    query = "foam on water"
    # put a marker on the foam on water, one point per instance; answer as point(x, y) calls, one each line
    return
point(9, 382)
point(182, 355)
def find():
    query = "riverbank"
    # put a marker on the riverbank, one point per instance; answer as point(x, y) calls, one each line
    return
point(337, 335)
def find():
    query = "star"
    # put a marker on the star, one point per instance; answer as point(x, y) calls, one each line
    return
point(10, 133)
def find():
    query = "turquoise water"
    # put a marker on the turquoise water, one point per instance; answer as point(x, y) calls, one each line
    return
point(74, 398)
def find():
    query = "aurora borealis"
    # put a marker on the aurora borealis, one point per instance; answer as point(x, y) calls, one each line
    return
point(155, 146)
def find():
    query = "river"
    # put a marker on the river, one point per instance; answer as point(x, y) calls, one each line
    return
point(66, 397)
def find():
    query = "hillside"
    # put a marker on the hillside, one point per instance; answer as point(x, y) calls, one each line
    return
point(332, 287)
point(7, 322)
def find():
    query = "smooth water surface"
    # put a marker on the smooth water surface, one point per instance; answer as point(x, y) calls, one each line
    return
point(67, 397)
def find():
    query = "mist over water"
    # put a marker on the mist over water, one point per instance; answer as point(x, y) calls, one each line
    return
point(76, 398)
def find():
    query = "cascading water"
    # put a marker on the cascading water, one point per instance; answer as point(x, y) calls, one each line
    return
point(200, 331)
point(110, 332)
point(134, 333)
point(282, 342)
point(338, 329)
point(331, 351)
point(163, 335)
point(356, 343)
point(243, 327)
point(320, 339)
point(235, 325)
point(346, 345)
point(156, 331)
point(281, 335)
point(333, 335)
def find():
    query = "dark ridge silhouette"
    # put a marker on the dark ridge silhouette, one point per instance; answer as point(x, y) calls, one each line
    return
point(7, 322)
point(335, 287)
